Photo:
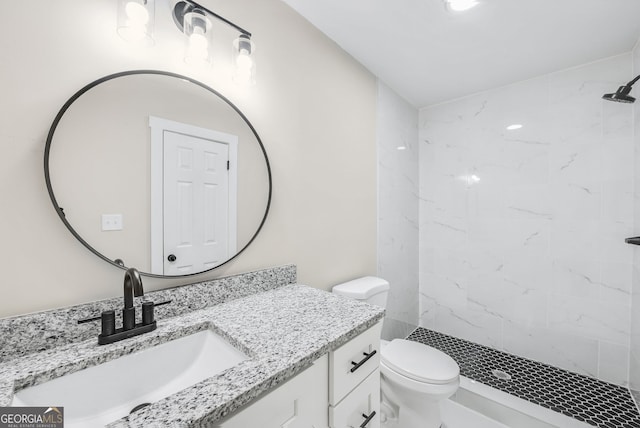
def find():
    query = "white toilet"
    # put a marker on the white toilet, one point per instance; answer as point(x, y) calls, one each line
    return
point(414, 377)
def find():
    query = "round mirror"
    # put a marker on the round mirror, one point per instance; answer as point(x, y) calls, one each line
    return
point(157, 171)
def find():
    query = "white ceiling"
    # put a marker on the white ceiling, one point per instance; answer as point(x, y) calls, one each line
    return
point(429, 55)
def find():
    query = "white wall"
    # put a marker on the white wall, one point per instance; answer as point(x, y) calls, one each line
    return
point(313, 106)
point(522, 232)
point(397, 126)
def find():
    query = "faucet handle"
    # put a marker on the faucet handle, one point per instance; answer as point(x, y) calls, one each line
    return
point(108, 320)
point(147, 313)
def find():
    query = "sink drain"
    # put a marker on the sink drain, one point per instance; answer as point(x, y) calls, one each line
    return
point(138, 407)
point(501, 375)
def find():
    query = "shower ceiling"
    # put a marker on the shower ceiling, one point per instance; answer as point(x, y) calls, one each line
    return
point(429, 55)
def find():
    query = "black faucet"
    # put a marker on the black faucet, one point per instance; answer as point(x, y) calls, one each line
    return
point(132, 287)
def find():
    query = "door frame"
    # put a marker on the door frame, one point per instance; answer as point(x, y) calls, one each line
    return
point(158, 126)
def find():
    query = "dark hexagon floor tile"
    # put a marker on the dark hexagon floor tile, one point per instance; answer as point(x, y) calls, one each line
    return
point(598, 403)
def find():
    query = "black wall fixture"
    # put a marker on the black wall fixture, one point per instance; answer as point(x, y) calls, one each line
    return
point(633, 241)
point(622, 94)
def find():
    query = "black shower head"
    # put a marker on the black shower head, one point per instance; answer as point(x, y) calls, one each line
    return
point(622, 94)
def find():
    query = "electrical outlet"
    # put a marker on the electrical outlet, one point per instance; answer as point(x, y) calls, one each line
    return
point(111, 222)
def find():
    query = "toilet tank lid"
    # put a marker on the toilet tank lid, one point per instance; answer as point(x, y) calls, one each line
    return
point(362, 288)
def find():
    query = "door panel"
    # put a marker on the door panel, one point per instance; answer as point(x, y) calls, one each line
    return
point(195, 203)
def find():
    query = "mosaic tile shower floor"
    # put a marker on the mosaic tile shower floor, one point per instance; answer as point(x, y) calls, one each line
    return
point(590, 400)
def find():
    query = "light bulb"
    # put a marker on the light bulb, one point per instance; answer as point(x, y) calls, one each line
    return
point(244, 62)
point(461, 5)
point(197, 28)
point(242, 77)
point(198, 46)
point(135, 21)
point(244, 65)
point(137, 14)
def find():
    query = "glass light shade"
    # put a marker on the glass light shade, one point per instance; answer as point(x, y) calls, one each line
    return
point(244, 65)
point(197, 29)
point(135, 21)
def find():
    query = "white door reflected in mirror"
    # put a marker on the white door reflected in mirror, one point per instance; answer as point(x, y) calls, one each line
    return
point(194, 191)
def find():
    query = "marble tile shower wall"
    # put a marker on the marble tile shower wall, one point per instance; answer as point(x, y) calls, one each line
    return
point(522, 231)
point(634, 363)
point(398, 208)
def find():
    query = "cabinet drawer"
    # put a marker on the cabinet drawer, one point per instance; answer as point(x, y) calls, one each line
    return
point(293, 404)
point(344, 375)
point(358, 406)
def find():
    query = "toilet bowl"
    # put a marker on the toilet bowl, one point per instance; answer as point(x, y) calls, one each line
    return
point(414, 378)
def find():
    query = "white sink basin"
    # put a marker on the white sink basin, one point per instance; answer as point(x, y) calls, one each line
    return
point(107, 392)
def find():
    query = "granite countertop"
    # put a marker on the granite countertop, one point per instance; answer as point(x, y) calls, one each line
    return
point(282, 331)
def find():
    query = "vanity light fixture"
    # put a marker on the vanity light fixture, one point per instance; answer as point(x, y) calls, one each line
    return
point(195, 21)
point(197, 29)
point(460, 5)
point(135, 21)
point(244, 66)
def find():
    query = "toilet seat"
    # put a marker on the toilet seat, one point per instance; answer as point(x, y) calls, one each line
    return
point(415, 388)
point(419, 362)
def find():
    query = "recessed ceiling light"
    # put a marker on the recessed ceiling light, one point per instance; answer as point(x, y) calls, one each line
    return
point(469, 179)
point(460, 5)
point(401, 148)
point(514, 127)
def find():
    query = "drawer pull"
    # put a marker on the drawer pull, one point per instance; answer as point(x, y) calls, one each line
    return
point(367, 418)
point(357, 365)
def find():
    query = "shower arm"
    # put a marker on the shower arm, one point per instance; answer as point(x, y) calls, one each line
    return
point(633, 81)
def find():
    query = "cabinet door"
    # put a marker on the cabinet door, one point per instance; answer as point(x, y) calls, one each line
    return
point(360, 406)
point(301, 402)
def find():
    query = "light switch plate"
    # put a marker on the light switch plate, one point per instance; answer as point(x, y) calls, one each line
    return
point(111, 222)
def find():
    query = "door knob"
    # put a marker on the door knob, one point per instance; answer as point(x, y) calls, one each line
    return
point(171, 258)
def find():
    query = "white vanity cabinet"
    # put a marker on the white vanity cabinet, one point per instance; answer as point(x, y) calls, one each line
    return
point(301, 402)
point(340, 390)
point(354, 382)
point(358, 406)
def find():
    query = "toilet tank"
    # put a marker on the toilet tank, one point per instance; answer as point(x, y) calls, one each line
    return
point(370, 289)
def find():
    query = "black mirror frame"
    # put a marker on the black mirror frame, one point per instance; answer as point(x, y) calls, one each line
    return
point(60, 210)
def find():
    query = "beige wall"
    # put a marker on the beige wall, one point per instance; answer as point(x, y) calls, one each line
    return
point(313, 106)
